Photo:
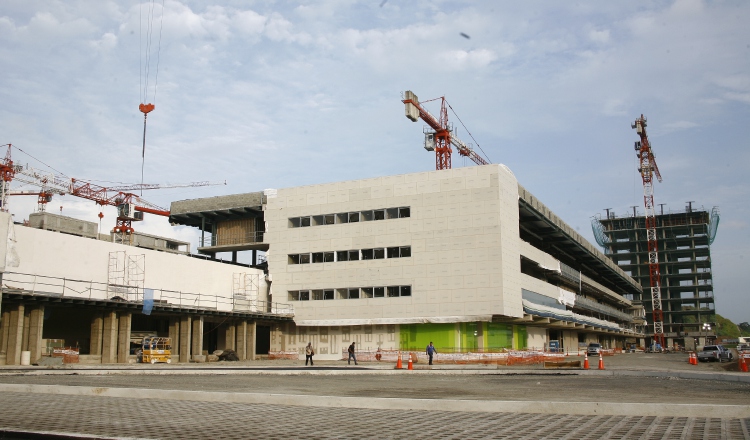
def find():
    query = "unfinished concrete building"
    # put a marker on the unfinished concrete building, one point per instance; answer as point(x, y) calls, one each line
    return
point(684, 240)
point(466, 258)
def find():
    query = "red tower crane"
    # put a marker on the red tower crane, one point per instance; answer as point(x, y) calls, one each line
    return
point(648, 170)
point(441, 137)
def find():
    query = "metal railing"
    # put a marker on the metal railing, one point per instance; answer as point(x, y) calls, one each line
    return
point(232, 239)
point(41, 285)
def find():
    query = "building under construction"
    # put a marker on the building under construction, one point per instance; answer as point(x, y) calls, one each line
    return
point(684, 250)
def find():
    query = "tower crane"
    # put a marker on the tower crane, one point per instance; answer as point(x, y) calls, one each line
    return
point(648, 170)
point(441, 136)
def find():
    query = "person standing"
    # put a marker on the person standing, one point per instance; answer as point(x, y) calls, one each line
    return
point(351, 355)
point(309, 352)
point(430, 351)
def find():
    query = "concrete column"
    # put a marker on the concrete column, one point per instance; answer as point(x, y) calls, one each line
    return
point(109, 338)
point(25, 339)
point(229, 339)
point(241, 332)
point(197, 345)
point(4, 321)
point(251, 340)
point(123, 340)
point(97, 334)
point(15, 335)
point(185, 338)
point(36, 326)
point(174, 334)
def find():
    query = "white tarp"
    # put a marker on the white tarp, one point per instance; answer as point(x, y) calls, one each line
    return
point(9, 256)
point(566, 297)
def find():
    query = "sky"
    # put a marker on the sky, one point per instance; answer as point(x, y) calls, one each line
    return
point(266, 94)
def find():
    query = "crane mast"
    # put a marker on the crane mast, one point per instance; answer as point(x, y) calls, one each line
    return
point(649, 170)
point(441, 137)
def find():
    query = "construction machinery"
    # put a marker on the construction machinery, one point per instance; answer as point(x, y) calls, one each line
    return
point(649, 170)
point(439, 136)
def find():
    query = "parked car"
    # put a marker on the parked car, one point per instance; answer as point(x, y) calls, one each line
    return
point(714, 353)
point(594, 349)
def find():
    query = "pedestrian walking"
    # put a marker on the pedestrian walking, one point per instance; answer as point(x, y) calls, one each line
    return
point(351, 355)
point(309, 352)
point(430, 351)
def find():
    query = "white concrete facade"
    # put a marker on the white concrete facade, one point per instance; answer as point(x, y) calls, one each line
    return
point(462, 230)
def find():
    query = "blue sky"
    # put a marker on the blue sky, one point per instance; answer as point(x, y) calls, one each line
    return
point(276, 94)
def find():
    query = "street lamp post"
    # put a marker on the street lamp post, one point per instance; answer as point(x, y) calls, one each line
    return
point(706, 329)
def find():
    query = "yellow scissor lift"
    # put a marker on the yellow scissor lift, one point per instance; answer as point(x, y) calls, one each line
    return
point(156, 349)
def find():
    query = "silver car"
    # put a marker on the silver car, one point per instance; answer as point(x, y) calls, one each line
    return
point(594, 349)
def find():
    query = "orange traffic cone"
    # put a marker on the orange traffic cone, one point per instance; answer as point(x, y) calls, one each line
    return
point(410, 367)
point(743, 364)
point(398, 362)
point(693, 358)
point(601, 361)
point(690, 358)
point(586, 361)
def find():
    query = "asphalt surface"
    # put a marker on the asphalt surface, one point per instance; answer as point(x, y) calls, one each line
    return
point(636, 396)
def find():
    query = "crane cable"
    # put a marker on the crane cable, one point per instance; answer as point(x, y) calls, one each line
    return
point(467, 130)
point(146, 70)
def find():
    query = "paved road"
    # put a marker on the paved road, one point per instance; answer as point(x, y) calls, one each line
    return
point(209, 403)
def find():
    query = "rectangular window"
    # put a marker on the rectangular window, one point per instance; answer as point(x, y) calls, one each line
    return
point(318, 220)
point(342, 293)
point(393, 291)
point(379, 292)
point(393, 252)
point(353, 217)
point(304, 258)
point(294, 222)
point(404, 212)
point(317, 295)
point(405, 251)
point(328, 257)
point(329, 219)
point(366, 292)
point(354, 255)
point(342, 256)
point(353, 293)
point(367, 216)
point(379, 253)
point(367, 254)
point(294, 259)
point(317, 257)
point(304, 295)
point(293, 295)
point(342, 217)
point(405, 290)
point(391, 213)
point(380, 214)
point(304, 222)
point(328, 294)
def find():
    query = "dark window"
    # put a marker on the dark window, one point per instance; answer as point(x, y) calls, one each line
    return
point(304, 258)
point(328, 294)
point(304, 295)
point(294, 222)
point(367, 254)
point(380, 214)
point(354, 255)
point(406, 251)
point(405, 290)
point(393, 252)
point(379, 292)
point(342, 218)
point(317, 257)
point(329, 219)
point(304, 221)
point(294, 259)
point(391, 213)
point(342, 255)
point(328, 257)
point(404, 212)
point(353, 293)
point(317, 295)
point(379, 253)
point(393, 291)
point(353, 217)
point(367, 292)
point(367, 216)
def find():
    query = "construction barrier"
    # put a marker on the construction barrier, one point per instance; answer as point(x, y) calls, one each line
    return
point(276, 355)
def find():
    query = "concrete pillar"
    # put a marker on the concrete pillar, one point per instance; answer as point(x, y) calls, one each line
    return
point(4, 321)
point(109, 338)
point(25, 339)
point(185, 338)
point(229, 339)
point(251, 340)
point(241, 333)
point(97, 334)
point(123, 340)
point(174, 334)
point(36, 326)
point(197, 345)
point(15, 335)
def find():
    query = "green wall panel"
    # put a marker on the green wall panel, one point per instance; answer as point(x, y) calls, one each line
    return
point(418, 336)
